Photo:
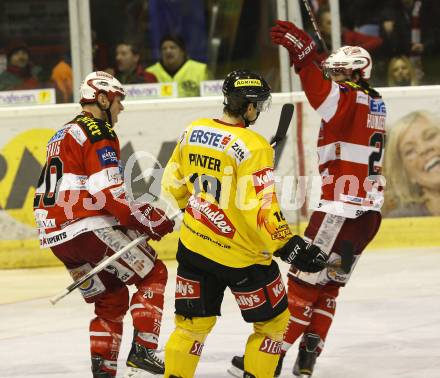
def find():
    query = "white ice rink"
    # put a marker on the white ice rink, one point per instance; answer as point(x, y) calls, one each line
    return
point(387, 324)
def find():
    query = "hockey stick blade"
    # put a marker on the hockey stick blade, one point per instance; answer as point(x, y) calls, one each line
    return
point(102, 266)
point(283, 125)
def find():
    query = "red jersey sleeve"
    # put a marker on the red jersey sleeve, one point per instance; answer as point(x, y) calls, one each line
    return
point(327, 97)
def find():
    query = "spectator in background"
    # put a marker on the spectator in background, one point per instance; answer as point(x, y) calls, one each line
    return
point(62, 78)
point(128, 67)
point(412, 166)
point(348, 37)
point(410, 27)
point(401, 72)
point(19, 73)
point(175, 65)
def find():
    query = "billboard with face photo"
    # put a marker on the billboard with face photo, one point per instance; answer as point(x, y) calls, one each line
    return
point(412, 166)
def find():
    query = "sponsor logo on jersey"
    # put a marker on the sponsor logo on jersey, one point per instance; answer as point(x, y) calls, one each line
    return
point(377, 107)
point(107, 156)
point(270, 346)
point(52, 240)
point(77, 133)
point(92, 286)
point(186, 288)
point(59, 135)
point(118, 191)
point(247, 83)
point(46, 223)
point(377, 114)
point(280, 232)
point(239, 151)
point(263, 179)
point(250, 300)
point(197, 348)
point(276, 291)
point(120, 271)
point(211, 216)
point(96, 129)
point(209, 137)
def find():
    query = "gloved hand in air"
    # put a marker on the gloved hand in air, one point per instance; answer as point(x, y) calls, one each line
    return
point(149, 220)
point(301, 47)
point(304, 256)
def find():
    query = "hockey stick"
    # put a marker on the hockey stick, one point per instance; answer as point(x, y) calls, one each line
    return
point(283, 125)
point(98, 268)
point(347, 255)
point(315, 25)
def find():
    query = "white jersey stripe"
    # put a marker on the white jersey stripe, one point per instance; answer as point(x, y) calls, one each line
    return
point(354, 153)
point(329, 106)
point(104, 179)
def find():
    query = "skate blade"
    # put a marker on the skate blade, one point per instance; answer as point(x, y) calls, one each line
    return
point(235, 372)
point(131, 372)
point(302, 375)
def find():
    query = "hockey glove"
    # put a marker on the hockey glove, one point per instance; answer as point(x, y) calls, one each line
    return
point(304, 256)
point(149, 220)
point(301, 47)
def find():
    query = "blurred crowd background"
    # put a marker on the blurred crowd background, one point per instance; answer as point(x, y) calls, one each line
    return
point(147, 41)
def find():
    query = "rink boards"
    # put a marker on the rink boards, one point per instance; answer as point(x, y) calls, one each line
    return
point(151, 128)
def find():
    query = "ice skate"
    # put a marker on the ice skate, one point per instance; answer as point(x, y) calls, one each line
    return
point(143, 362)
point(305, 362)
point(237, 368)
point(97, 371)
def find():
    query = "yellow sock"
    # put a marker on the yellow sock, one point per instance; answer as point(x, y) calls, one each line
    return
point(264, 346)
point(184, 347)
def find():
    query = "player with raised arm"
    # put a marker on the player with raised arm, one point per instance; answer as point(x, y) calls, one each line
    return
point(350, 152)
point(83, 215)
point(221, 175)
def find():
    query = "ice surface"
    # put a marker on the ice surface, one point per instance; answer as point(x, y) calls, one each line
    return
point(387, 325)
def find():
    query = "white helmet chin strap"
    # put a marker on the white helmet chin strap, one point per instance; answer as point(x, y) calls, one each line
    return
point(106, 111)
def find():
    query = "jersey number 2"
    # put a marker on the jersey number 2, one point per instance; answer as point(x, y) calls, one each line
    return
point(50, 176)
point(376, 140)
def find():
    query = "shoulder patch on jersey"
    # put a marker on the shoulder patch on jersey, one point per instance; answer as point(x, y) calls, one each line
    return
point(95, 129)
point(77, 133)
point(362, 98)
point(60, 134)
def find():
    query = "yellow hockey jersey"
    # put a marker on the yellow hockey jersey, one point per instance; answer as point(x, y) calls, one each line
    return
point(222, 175)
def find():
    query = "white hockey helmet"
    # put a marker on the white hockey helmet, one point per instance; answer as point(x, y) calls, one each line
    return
point(347, 59)
point(100, 82)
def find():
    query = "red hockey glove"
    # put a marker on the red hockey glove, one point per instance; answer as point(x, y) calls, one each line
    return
point(304, 256)
point(149, 220)
point(301, 47)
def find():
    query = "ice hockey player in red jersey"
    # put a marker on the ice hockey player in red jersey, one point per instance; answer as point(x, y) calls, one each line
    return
point(83, 215)
point(350, 153)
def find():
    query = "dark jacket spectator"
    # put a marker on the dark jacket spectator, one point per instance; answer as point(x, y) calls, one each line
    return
point(410, 27)
point(128, 67)
point(19, 73)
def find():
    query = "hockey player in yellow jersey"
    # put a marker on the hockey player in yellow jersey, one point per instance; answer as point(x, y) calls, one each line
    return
point(221, 175)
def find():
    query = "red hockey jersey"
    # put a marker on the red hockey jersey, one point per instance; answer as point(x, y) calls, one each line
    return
point(350, 143)
point(81, 185)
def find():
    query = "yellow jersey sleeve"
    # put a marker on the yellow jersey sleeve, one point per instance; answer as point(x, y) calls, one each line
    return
point(257, 198)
